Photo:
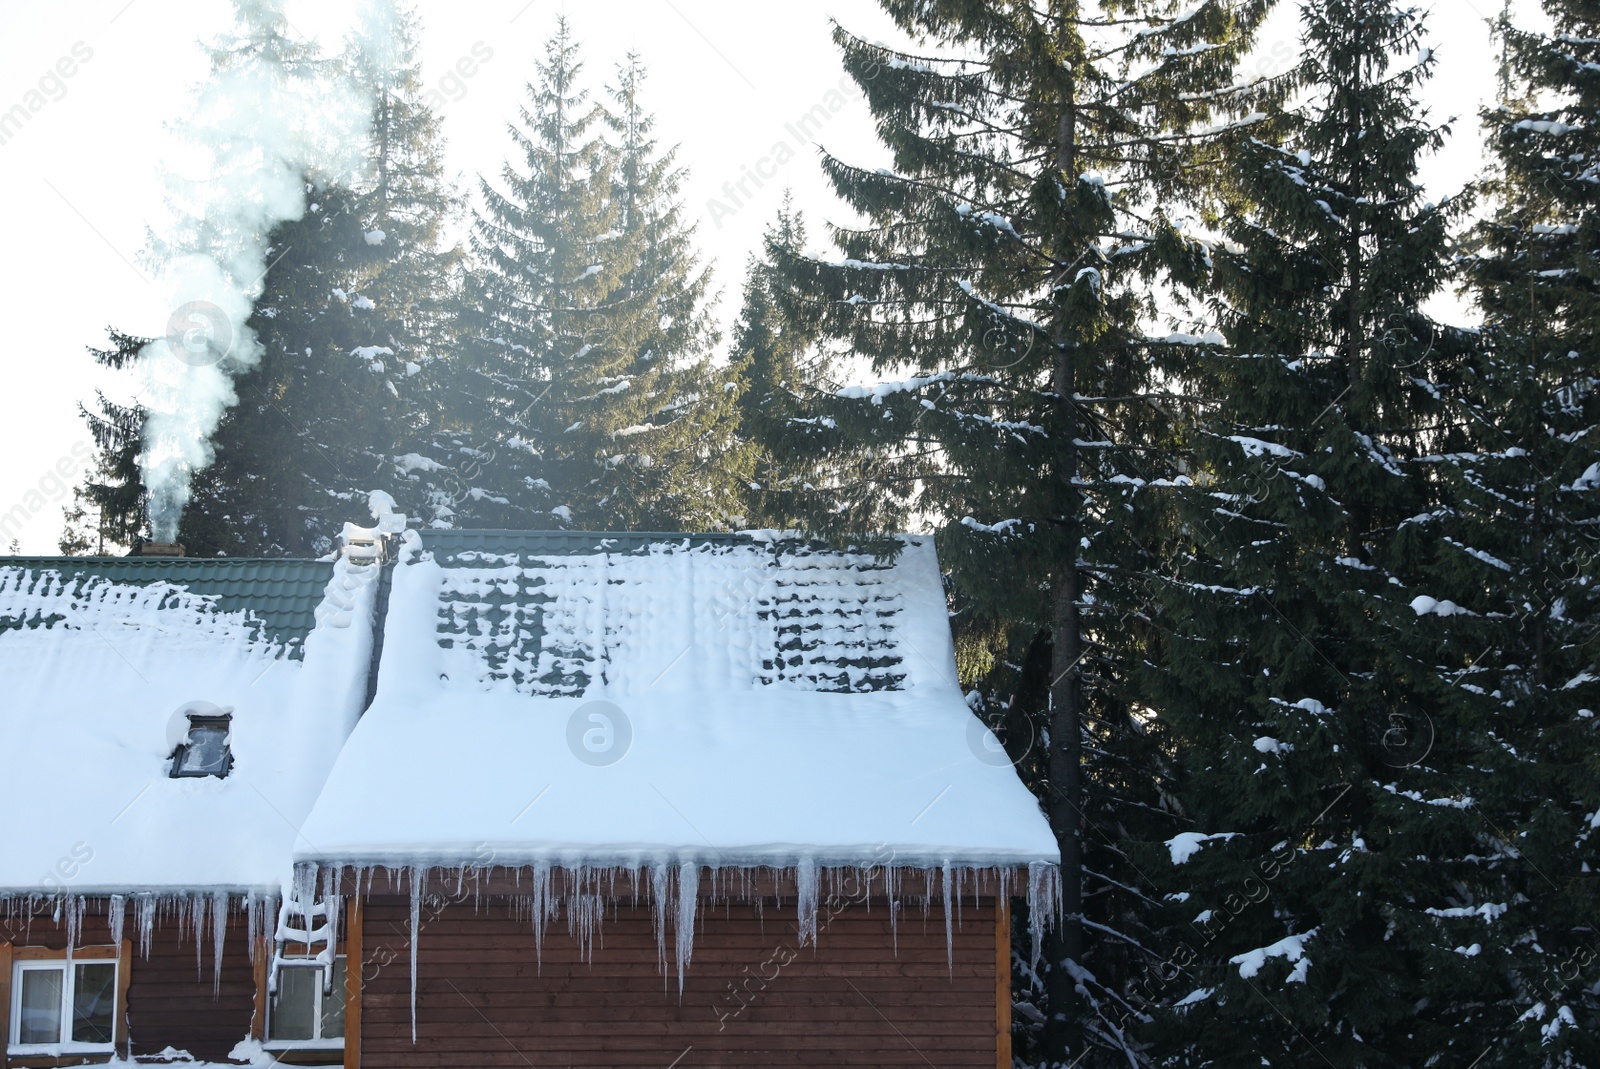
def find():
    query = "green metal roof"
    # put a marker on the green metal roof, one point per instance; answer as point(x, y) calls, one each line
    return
point(281, 596)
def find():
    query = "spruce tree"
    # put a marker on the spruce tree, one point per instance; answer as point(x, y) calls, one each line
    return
point(774, 357)
point(586, 398)
point(1341, 882)
point(355, 307)
point(289, 455)
point(413, 282)
point(353, 310)
point(1010, 262)
point(1516, 544)
point(111, 498)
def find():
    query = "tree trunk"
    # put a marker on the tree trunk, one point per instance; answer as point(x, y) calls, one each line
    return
point(1064, 945)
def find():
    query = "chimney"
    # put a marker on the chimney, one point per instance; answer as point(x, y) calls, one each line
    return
point(159, 549)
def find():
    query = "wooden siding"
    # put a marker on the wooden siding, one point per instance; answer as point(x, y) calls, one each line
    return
point(169, 998)
point(749, 997)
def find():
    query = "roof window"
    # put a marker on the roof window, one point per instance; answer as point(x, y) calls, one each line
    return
point(205, 751)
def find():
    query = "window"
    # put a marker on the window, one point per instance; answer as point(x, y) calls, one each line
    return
point(60, 1006)
point(300, 1013)
point(205, 751)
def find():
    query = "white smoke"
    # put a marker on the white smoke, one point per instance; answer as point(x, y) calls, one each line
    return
point(273, 112)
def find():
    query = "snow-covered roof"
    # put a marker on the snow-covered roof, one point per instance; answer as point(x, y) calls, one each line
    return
point(591, 699)
point(104, 659)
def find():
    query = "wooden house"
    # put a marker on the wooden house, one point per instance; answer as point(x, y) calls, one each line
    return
point(611, 800)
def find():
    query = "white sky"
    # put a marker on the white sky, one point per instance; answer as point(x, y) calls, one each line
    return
point(727, 78)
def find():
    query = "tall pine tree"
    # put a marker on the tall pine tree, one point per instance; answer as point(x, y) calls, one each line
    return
point(1006, 273)
point(354, 307)
point(586, 398)
point(1341, 881)
point(1517, 544)
point(774, 358)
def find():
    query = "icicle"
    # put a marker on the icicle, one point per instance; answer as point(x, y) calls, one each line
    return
point(72, 905)
point(219, 933)
point(252, 918)
point(688, 893)
point(805, 879)
point(949, 934)
point(540, 909)
point(116, 914)
point(1044, 902)
point(145, 914)
point(418, 878)
point(659, 874)
point(330, 913)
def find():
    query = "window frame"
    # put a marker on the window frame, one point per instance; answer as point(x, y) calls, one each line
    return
point(15, 960)
point(321, 1043)
point(207, 720)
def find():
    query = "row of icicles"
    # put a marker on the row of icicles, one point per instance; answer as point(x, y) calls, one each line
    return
point(584, 894)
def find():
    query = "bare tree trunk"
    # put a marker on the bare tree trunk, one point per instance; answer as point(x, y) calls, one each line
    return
point(1064, 946)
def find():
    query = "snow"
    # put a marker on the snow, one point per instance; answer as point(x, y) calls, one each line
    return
point(1541, 126)
point(1422, 605)
point(1292, 948)
point(1255, 447)
point(999, 528)
point(90, 711)
point(735, 756)
point(409, 462)
point(1488, 912)
point(1185, 845)
point(1210, 337)
point(878, 392)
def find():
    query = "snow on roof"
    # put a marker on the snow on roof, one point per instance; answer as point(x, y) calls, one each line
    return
point(587, 699)
point(103, 661)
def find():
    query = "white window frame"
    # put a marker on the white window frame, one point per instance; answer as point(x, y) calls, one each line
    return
point(320, 1043)
point(65, 1046)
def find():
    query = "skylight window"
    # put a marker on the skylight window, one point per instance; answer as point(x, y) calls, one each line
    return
point(205, 751)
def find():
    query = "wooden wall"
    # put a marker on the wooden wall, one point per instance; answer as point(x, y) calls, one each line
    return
point(170, 999)
point(853, 1000)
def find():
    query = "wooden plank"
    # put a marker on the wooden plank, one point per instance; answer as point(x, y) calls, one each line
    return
point(5, 1002)
point(855, 998)
point(94, 953)
point(352, 984)
point(1002, 984)
point(119, 1037)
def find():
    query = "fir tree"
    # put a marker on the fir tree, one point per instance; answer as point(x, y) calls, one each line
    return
point(352, 320)
point(1516, 544)
point(414, 281)
point(586, 398)
point(296, 448)
point(774, 356)
point(1324, 752)
point(112, 491)
point(1010, 260)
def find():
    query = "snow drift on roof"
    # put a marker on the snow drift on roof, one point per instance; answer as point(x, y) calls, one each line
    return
point(664, 700)
point(102, 660)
